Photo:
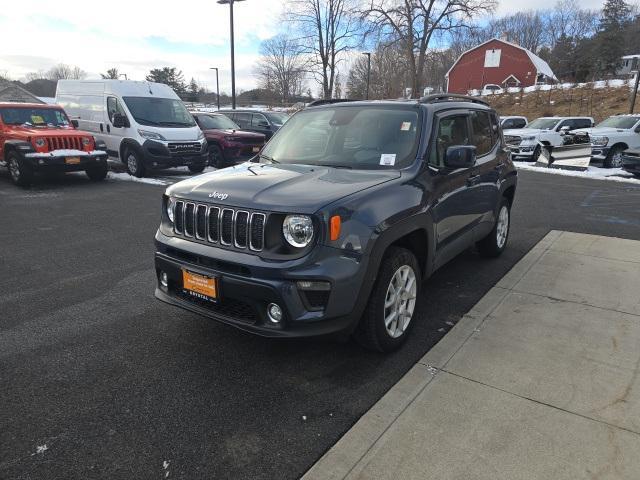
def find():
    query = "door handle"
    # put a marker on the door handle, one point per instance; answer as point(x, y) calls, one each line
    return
point(471, 181)
point(108, 128)
point(101, 128)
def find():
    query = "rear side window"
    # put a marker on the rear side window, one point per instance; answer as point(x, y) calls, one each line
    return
point(243, 119)
point(452, 131)
point(482, 136)
point(259, 120)
point(582, 123)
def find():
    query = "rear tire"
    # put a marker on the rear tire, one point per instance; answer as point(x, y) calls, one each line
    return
point(395, 290)
point(133, 163)
point(494, 244)
point(197, 168)
point(614, 158)
point(97, 173)
point(19, 171)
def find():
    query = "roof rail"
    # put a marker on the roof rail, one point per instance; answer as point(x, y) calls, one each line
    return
point(445, 97)
point(327, 101)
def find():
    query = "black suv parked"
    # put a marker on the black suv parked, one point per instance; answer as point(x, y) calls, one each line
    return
point(266, 123)
point(350, 207)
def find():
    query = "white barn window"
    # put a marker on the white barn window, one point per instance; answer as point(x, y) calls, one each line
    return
point(492, 58)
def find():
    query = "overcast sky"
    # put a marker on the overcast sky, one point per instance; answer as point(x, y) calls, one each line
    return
point(137, 35)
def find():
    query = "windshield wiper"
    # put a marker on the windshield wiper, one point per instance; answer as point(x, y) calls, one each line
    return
point(179, 124)
point(336, 166)
point(268, 158)
point(144, 120)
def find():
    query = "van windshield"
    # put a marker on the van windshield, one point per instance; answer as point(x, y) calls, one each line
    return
point(159, 112)
point(359, 137)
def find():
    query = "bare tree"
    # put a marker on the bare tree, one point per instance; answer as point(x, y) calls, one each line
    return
point(414, 23)
point(569, 20)
point(112, 74)
point(281, 68)
point(328, 29)
point(388, 74)
point(65, 72)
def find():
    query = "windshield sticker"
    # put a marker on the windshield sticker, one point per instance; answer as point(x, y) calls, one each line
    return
point(35, 119)
point(388, 159)
point(406, 126)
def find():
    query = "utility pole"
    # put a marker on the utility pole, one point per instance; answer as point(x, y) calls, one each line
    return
point(217, 85)
point(233, 59)
point(368, 54)
point(635, 91)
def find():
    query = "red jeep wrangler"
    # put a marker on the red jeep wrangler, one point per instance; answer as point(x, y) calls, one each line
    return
point(40, 138)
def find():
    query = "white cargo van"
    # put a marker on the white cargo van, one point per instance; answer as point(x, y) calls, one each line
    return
point(144, 124)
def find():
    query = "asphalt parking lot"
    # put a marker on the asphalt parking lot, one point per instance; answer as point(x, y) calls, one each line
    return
point(100, 380)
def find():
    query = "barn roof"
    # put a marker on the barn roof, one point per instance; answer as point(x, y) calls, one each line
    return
point(541, 66)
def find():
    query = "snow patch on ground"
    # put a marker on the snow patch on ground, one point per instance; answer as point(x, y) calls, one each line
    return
point(596, 173)
point(131, 178)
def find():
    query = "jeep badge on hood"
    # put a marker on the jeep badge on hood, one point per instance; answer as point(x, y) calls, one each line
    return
point(218, 195)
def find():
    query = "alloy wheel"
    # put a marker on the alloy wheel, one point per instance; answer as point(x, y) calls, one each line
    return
point(616, 159)
point(502, 228)
point(400, 301)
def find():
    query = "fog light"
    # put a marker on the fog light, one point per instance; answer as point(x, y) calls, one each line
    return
point(164, 280)
point(274, 312)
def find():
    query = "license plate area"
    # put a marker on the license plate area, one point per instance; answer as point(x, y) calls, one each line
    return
point(72, 160)
point(256, 149)
point(201, 286)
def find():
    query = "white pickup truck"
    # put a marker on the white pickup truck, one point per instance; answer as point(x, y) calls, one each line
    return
point(612, 137)
point(525, 142)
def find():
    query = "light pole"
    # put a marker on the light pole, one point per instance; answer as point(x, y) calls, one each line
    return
point(368, 54)
point(217, 85)
point(233, 60)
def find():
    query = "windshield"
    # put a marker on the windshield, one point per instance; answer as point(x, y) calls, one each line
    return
point(544, 123)
point(216, 122)
point(277, 117)
point(160, 112)
point(348, 137)
point(619, 122)
point(34, 117)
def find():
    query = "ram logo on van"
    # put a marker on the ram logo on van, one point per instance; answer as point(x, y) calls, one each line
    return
point(219, 195)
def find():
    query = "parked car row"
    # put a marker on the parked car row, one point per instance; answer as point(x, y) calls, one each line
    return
point(143, 124)
point(614, 141)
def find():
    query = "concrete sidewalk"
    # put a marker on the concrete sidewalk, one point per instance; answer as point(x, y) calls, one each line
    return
point(540, 380)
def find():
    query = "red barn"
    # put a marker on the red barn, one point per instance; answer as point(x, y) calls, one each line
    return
point(497, 62)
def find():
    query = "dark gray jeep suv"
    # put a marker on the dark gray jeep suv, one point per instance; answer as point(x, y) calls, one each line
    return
point(333, 227)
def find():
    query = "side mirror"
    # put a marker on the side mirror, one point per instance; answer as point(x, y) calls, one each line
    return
point(120, 121)
point(460, 156)
point(263, 124)
point(565, 129)
point(75, 123)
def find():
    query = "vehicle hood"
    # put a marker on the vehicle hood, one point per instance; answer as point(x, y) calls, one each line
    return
point(524, 132)
point(280, 188)
point(47, 132)
point(236, 133)
point(606, 131)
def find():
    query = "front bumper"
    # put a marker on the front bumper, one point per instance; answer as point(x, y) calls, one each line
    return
point(522, 150)
point(249, 284)
point(58, 161)
point(599, 153)
point(158, 156)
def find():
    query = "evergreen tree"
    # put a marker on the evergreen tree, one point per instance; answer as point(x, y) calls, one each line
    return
point(169, 76)
point(611, 34)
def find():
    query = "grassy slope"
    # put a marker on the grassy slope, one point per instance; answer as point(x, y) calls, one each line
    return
point(598, 103)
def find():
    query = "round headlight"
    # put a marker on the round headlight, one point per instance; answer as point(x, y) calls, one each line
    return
point(40, 142)
point(171, 208)
point(86, 141)
point(298, 230)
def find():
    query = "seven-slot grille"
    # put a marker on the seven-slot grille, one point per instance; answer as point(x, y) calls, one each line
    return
point(184, 148)
point(64, 143)
point(221, 225)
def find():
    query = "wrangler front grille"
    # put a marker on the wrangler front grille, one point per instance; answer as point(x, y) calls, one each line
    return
point(64, 143)
point(220, 225)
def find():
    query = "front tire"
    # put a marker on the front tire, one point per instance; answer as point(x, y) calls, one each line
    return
point(536, 153)
point(19, 172)
point(97, 173)
point(494, 244)
point(216, 157)
point(614, 158)
point(133, 163)
point(388, 317)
